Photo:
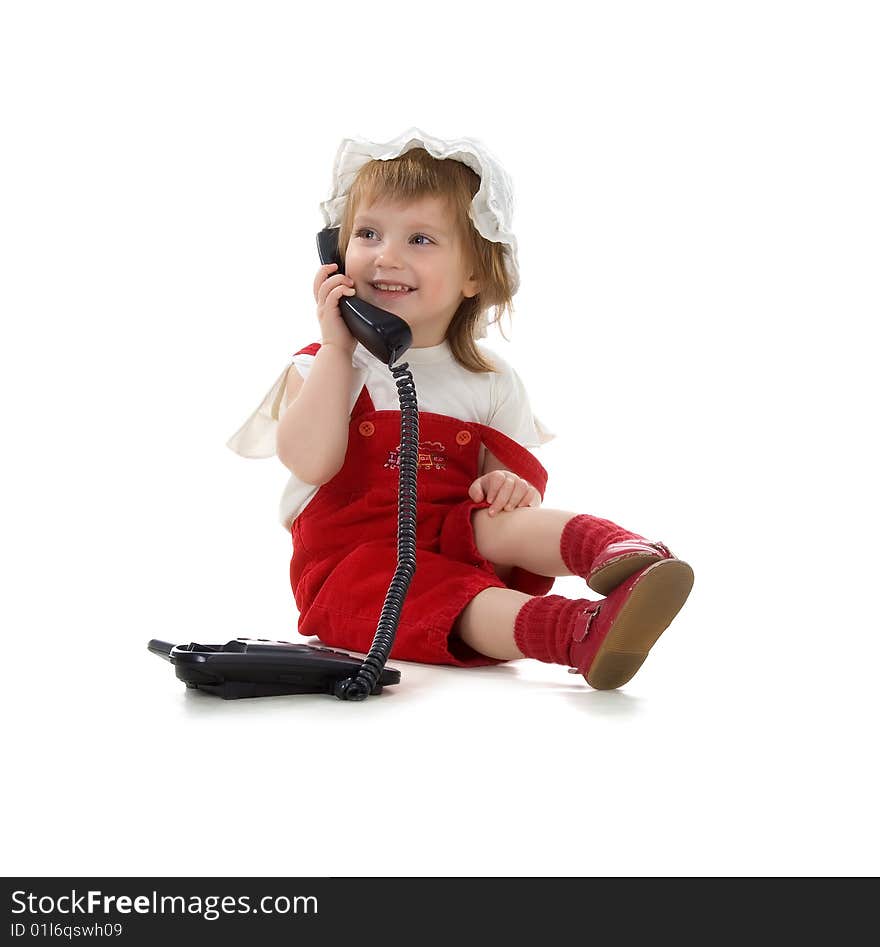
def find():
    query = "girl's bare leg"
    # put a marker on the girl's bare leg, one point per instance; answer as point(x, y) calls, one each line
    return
point(486, 624)
point(526, 537)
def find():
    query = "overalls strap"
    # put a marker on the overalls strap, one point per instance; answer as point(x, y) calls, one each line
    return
point(515, 457)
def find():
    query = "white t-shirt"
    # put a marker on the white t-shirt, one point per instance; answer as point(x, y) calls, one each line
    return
point(443, 386)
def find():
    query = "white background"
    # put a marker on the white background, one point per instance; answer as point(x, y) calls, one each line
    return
point(697, 213)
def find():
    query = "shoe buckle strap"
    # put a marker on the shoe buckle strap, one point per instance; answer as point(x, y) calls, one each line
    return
point(591, 612)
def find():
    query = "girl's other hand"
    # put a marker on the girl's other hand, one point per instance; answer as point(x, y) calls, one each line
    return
point(329, 288)
point(504, 491)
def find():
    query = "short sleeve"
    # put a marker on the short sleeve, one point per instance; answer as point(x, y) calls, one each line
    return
point(256, 438)
point(511, 410)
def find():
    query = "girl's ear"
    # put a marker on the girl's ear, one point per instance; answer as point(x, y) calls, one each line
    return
point(470, 288)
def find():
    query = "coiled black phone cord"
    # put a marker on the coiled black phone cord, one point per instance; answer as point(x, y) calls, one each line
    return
point(362, 685)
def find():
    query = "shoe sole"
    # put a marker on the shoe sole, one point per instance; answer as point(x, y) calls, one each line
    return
point(606, 580)
point(656, 598)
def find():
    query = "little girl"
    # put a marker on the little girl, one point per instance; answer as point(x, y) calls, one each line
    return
point(424, 232)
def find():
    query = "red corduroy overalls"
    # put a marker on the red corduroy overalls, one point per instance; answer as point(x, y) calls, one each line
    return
point(345, 540)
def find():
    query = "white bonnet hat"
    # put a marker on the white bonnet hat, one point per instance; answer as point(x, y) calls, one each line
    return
point(491, 209)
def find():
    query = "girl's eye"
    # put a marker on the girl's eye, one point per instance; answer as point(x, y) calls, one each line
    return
point(367, 230)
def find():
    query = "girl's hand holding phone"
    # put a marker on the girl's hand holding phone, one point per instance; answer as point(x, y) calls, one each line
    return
point(329, 288)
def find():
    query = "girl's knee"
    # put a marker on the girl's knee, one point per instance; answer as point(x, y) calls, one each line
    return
point(491, 536)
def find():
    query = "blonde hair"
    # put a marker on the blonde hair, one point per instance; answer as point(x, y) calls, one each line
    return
point(416, 174)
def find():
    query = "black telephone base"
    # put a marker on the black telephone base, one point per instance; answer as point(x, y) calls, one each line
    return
point(235, 690)
point(258, 667)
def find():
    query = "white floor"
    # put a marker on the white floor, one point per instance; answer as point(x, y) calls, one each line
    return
point(727, 754)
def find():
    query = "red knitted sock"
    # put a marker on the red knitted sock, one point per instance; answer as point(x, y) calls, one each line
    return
point(544, 626)
point(584, 537)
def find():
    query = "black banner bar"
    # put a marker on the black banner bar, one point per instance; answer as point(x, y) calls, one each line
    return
point(305, 910)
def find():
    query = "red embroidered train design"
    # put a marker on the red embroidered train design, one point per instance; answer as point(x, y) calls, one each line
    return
point(432, 456)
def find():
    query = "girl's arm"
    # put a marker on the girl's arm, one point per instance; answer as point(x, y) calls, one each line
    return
point(312, 435)
point(491, 462)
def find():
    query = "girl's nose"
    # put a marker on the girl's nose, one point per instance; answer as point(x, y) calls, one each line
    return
point(386, 255)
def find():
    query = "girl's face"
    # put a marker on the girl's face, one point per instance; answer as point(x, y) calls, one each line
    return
point(415, 245)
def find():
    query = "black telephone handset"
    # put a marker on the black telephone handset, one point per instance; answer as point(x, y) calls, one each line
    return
point(380, 332)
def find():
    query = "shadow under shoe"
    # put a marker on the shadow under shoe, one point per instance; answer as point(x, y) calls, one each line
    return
point(612, 637)
point(620, 560)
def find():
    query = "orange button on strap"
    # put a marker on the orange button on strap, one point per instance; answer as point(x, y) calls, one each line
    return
point(367, 428)
point(463, 437)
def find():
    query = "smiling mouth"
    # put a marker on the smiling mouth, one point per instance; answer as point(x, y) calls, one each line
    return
point(392, 292)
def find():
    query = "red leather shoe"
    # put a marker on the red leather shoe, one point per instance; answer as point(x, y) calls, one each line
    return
point(612, 637)
point(619, 560)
